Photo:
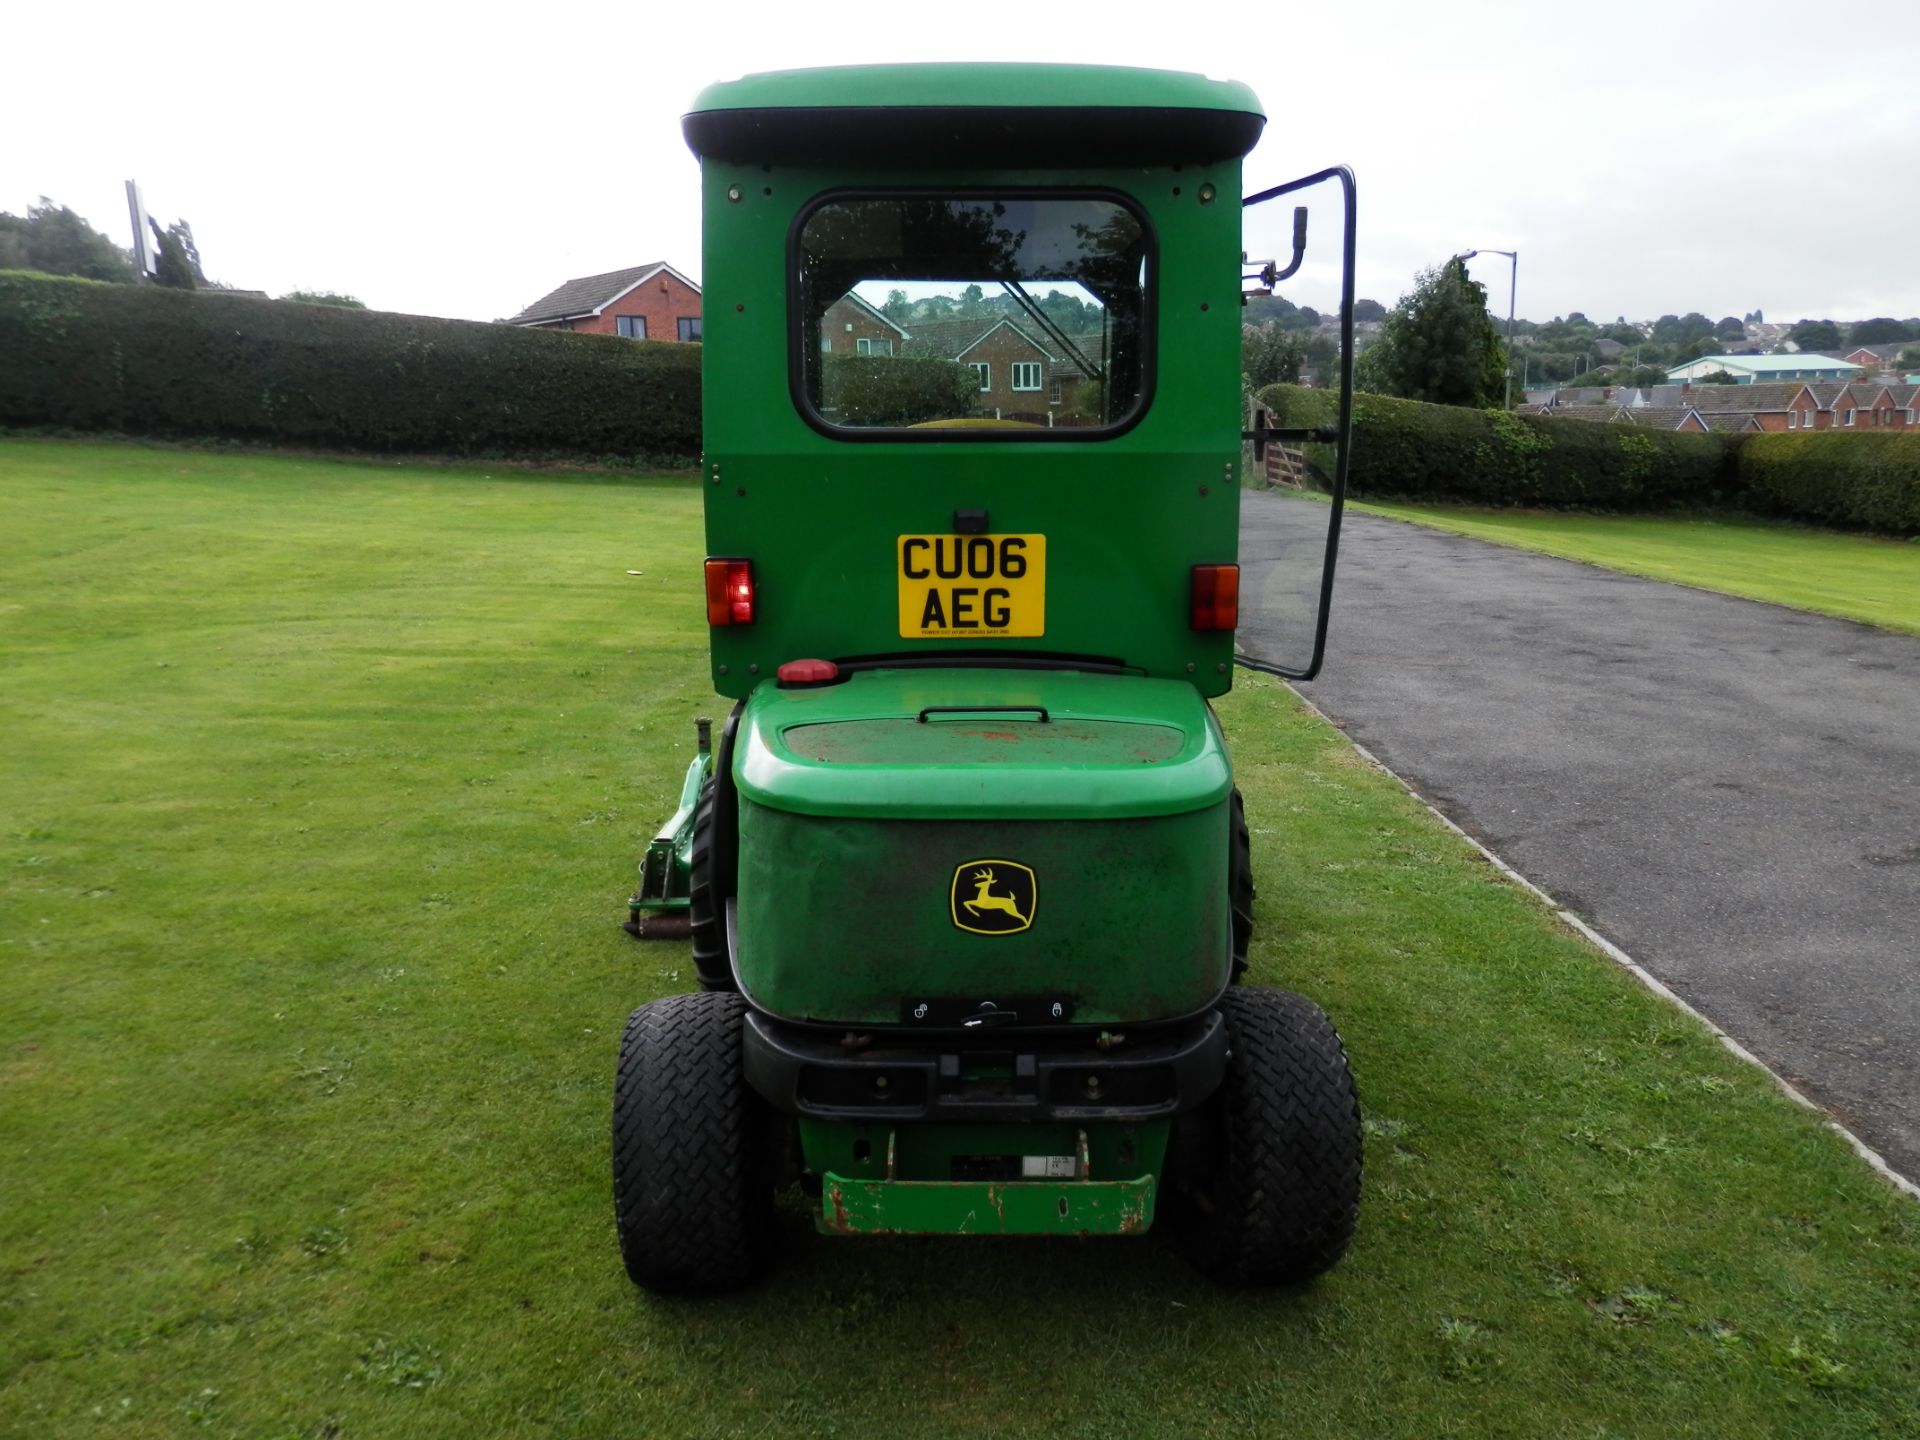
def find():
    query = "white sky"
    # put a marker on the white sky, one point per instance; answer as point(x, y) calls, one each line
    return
point(462, 161)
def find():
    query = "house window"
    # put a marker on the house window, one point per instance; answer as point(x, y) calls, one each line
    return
point(1849, 419)
point(634, 327)
point(984, 371)
point(852, 250)
point(1793, 419)
point(1053, 392)
point(689, 327)
point(873, 347)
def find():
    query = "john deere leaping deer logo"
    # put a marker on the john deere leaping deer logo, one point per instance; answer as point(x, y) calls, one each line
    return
point(994, 897)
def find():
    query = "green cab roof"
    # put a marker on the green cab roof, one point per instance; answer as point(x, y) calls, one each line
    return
point(1006, 115)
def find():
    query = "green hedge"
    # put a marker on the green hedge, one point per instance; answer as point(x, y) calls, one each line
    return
point(1836, 477)
point(1409, 450)
point(149, 361)
point(883, 390)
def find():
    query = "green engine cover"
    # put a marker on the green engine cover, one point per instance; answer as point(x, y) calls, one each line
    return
point(982, 853)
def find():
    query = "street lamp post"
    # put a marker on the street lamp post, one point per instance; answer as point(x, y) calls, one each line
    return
point(1513, 289)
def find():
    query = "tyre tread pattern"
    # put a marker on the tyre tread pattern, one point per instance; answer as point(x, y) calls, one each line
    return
point(690, 1202)
point(711, 963)
point(1286, 1193)
point(1240, 883)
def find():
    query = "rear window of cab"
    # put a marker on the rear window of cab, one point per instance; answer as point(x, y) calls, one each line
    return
point(972, 316)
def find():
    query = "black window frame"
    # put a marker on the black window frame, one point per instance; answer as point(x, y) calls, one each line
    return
point(688, 327)
point(621, 322)
point(797, 355)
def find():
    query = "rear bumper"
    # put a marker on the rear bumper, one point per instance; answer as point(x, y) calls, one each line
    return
point(923, 1207)
point(1037, 1079)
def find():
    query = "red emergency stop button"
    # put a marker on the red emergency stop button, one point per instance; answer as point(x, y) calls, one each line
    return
point(798, 674)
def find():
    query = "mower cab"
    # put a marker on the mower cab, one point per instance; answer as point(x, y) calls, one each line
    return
point(965, 870)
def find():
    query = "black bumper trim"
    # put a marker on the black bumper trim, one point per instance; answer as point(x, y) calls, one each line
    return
point(897, 1079)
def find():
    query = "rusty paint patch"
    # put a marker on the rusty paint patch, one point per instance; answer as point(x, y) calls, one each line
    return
point(837, 1200)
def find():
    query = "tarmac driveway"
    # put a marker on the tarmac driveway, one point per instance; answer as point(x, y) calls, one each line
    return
point(1730, 791)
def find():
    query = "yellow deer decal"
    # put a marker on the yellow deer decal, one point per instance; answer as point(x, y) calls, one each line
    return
point(983, 899)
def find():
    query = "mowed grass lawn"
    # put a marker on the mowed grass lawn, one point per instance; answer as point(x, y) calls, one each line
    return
point(1856, 577)
point(320, 793)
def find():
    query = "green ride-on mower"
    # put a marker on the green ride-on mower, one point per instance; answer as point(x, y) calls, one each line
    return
point(965, 870)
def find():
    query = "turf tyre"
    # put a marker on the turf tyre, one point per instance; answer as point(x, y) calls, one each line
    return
point(1278, 1192)
point(1240, 883)
point(711, 963)
point(691, 1198)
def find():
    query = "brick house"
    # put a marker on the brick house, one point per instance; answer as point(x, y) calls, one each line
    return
point(853, 327)
point(1892, 407)
point(1877, 357)
point(1768, 404)
point(1024, 373)
point(645, 302)
point(1831, 407)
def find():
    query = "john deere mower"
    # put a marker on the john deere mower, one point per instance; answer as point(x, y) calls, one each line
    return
point(965, 870)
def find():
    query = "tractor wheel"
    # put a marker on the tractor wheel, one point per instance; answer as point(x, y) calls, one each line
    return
point(691, 1197)
point(1240, 884)
point(1277, 1179)
point(705, 909)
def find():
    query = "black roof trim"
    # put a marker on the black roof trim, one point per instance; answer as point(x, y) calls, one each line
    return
point(1004, 136)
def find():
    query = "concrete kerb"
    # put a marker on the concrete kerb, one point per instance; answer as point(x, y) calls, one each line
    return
point(1633, 967)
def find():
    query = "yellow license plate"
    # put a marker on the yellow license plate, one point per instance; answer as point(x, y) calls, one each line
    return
point(957, 587)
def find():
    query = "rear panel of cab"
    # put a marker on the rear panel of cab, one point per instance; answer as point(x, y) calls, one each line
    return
point(820, 517)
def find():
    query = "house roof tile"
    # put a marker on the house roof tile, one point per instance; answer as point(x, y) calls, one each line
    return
point(1759, 397)
point(590, 293)
point(949, 339)
point(1582, 412)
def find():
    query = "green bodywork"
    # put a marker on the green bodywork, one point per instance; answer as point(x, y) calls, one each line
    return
point(1126, 518)
point(862, 815)
point(665, 870)
point(1057, 87)
point(878, 1179)
point(1117, 802)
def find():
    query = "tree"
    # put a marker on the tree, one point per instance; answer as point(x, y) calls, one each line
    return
point(1270, 355)
point(1369, 310)
point(53, 240)
point(325, 297)
point(1717, 377)
point(1678, 329)
point(177, 264)
point(1881, 330)
point(897, 308)
point(1730, 328)
point(1909, 360)
point(1693, 349)
point(1815, 335)
point(1438, 344)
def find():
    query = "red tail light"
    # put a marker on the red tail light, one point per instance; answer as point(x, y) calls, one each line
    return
point(729, 592)
point(1216, 597)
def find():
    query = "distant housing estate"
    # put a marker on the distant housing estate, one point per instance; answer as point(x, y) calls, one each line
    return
point(1871, 404)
